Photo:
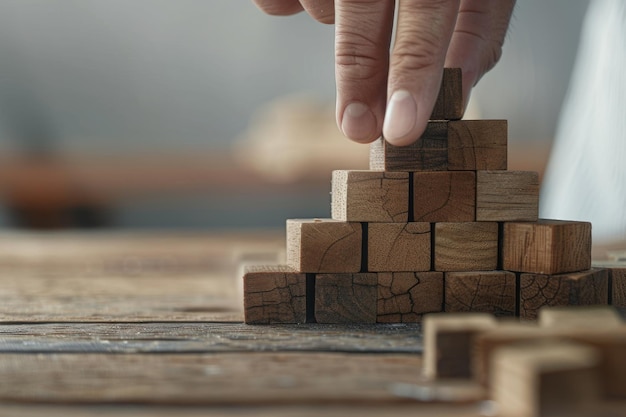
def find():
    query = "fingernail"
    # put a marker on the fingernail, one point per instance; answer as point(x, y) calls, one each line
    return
point(400, 117)
point(358, 122)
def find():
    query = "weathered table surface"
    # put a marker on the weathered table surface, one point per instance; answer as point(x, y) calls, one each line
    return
point(150, 324)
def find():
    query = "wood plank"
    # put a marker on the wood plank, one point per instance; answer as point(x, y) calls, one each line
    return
point(405, 297)
point(346, 298)
point(547, 246)
point(576, 289)
point(428, 153)
point(507, 196)
point(491, 292)
point(201, 337)
point(449, 104)
point(447, 343)
point(556, 378)
point(279, 378)
point(323, 245)
point(396, 247)
point(580, 317)
point(444, 196)
point(274, 294)
point(370, 196)
point(470, 246)
point(477, 145)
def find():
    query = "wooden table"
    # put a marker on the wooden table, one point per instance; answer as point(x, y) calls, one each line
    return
point(150, 324)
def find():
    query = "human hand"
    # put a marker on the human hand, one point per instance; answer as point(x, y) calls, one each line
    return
point(394, 94)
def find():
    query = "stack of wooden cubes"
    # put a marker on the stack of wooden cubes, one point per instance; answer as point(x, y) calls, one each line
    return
point(440, 225)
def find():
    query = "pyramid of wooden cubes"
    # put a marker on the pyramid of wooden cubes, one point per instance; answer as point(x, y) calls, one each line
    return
point(437, 226)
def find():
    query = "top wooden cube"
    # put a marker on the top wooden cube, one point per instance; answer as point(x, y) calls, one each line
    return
point(449, 104)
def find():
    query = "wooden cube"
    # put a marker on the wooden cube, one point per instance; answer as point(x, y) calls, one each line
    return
point(346, 298)
point(507, 196)
point(593, 317)
point(395, 247)
point(274, 294)
point(547, 246)
point(545, 379)
point(448, 340)
point(428, 153)
point(449, 104)
point(469, 246)
point(324, 245)
point(404, 297)
point(571, 289)
point(480, 292)
point(617, 275)
point(444, 196)
point(370, 196)
point(477, 145)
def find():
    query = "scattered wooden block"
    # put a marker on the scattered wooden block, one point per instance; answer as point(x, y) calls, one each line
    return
point(545, 379)
point(471, 246)
point(449, 104)
point(447, 343)
point(370, 196)
point(477, 145)
point(429, 153)
point(444, 196)
point(547, 246)
point(346, 298)
point(480, 292)
point(507, 196)
point(575, 288)
point(404, 297)
point(396, 247)
point(323, 245)
point(274, 294)
point(593, 317)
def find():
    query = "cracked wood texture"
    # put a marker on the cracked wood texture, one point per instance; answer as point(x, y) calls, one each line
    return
point(471, 246)
point(274, 294)
point(575, 289)
point(396, 247)
point(323, 245)
point(507, 196)
point(346, 298)
point(448, 340)
point(449, 104)
point(480, 292)
point(444, 196)
point(545, 379)
point(404, 297)
point(547, 246)
point(477, 145)
point(370, 196)
point(428, 153)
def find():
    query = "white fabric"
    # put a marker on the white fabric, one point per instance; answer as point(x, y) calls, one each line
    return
point(586, 176)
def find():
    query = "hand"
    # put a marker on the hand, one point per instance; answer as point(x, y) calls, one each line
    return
point(394, 94)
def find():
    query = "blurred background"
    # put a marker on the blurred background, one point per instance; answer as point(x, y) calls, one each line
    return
point(201, 114)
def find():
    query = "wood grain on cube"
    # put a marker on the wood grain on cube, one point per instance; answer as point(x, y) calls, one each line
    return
point(323, 245)
point(274, 294)
point(477, 145)
point(591, 317)
point(507, 196)
point(470, 246)
point(404, 297)
point(547, 246)
point(428, 153)
point(618, 286)
point(449, 104)
point(572, 289)
point(346, 298)
point(448, 340)
point(370, 196)
point(480, 292)
point(394, 247)
point(444, 196)
point(545, 379)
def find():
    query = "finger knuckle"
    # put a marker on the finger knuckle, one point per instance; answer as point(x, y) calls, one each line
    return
point(358, 57)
